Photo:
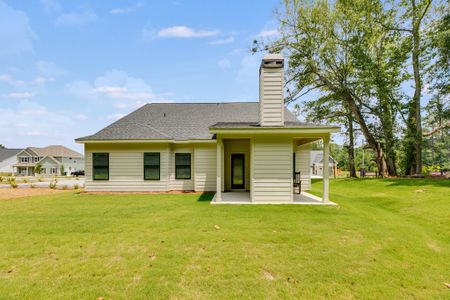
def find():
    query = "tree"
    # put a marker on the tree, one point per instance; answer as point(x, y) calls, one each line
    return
point(318, 39)
point(38, 168)
point(411, 24)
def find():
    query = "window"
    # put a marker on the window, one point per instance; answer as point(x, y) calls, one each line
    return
point(36, 159)
point(53, 170)
point(100, 164)
point(182, 166)
point(151, 166)
point(24, 159)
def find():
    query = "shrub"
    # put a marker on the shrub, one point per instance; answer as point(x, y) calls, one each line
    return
point(76, 186)
point(32, 186)
point(52, 184)
point(13, 183)
point(40, 179)
point(65, 187)
point(25, 180)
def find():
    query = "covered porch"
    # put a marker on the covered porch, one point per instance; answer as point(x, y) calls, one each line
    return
point(260, 166)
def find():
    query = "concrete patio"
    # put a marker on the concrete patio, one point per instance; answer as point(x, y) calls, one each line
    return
point(244, 198)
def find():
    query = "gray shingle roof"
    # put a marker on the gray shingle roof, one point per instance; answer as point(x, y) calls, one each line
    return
point(287, 124)
point(55, 151)
point(180, 121)
point(317, 157)
point(7, 153)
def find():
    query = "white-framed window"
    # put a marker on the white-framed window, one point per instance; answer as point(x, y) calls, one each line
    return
point(53, 170)
point(24, 159)
point(43, 171)
point(36, 159)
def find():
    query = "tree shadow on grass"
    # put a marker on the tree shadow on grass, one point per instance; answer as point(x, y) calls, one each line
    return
point(438, 182)
point(205, 197)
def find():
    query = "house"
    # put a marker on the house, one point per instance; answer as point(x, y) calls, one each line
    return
point(50, 158)
point(8, 157)
point(317, 164)
point(245, 152)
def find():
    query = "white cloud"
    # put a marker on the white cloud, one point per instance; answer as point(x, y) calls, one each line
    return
point(223, 41)
point(10, 80)
point(248, 70)
point(80, 117)
point(23, 95)
point(125, 10)
point(40, 80)
point(224, 63)
point(31, 124)
point(48, 69)
point(268, 33)
point(116, 117)
point(76, 18)
point(119, 85)
point(16, 35)
point(50, 6)
point(178, 32)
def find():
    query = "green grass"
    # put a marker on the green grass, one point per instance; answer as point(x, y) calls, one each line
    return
point(385, 240)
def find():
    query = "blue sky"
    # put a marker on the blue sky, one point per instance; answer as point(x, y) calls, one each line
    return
point(69, 68)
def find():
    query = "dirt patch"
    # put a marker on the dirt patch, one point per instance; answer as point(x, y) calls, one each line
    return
point(10, 193)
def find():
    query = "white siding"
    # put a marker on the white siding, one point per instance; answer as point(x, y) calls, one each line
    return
point(303, 165)
point(6, 166)
point(181, 184)
point(272, 170)
point(271, 97)
point(205, 168)
point(126, 168)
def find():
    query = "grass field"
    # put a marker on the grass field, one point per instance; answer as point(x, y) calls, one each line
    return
point(387, 239)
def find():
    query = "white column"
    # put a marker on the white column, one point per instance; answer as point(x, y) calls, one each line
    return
point(326, 169)
point(219, 171)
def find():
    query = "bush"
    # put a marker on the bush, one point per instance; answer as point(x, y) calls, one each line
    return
point(1, 179)
point(40, 179)
point(32, 186)
point(76, 186)
point(65, 187)
point(25, 180)
point(52, 184)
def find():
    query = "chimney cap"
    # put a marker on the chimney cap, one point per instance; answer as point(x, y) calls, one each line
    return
point(272, 60)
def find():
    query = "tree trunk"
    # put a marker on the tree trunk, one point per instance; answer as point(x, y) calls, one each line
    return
point(414, 137)
point(387, 125)
point(379, 154)
point(351, 148)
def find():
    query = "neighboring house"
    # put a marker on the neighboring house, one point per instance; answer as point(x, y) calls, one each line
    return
point(51, 158)
point(317, 164)
point(249, 147)
point(8, 157)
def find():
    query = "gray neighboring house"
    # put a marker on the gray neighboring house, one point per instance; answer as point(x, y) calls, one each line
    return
point(317, 164)
point(8, 157)
point(51, 158)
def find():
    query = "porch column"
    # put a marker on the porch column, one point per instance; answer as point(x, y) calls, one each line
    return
point(325, 169)
point(219, 171)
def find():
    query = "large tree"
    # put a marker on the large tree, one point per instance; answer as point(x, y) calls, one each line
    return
point(319, 39)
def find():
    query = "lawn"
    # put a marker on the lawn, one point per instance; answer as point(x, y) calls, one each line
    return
point(387, 239)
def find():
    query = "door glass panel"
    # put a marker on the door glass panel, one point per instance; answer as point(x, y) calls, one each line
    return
point(238, 171)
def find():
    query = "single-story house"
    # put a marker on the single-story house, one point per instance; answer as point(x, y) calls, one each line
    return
point(50, 158)
point(246, 152)
point(317, 164)
point(8, 157)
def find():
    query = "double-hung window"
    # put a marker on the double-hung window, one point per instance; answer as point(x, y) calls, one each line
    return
point(152, 166)
point(100, 166)
point(182, 166)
